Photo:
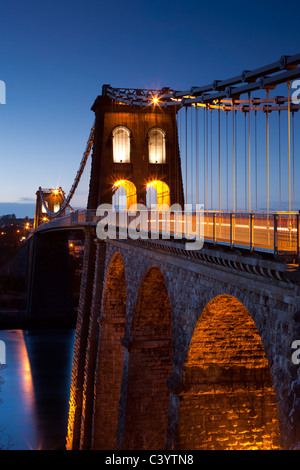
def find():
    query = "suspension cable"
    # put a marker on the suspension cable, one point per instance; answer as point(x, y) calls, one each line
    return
point(267, 131)
point(67, 200)
point(186, 164)
point(245, 131)
point(255, 141)
point(249, 157)
point(293, 156)
point(211, 160)
point(236, 163)
point(227, 159)
point(233, 159)
point(192, 160)
point(204, 158)
point(207, 158)
point(196, 124)
point(279, 157)
point(219, 125)
point(289, 141)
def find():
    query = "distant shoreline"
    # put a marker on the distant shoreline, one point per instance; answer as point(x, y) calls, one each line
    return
point(21, 210)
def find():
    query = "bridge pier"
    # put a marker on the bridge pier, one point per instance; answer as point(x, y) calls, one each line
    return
point(91, 360)
point(49, 299)
point(86, 341)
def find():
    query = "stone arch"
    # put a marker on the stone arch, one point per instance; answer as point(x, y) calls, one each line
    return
point(150, 364)
point(227, 399)
point(110, 356)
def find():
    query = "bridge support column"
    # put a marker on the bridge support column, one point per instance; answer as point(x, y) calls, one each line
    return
point(49, 285)
point(86, 340)
point(92, 348)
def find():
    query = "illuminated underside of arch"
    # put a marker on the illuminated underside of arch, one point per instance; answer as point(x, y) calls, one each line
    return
point(131, 196)
point(227, 401)
point(162, 195)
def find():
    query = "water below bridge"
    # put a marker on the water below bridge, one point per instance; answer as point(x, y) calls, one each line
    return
point(34, 398)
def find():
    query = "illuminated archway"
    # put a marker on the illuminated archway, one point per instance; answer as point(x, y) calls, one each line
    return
point(124, 195)
point(150, 365)
point(110, 357)
point(227, 401)
point(157, 194)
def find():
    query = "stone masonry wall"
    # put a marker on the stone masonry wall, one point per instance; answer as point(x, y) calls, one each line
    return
point(190, 285)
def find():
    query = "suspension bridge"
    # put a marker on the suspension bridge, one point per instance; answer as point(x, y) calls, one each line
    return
point(216, 164)
point(236, 153)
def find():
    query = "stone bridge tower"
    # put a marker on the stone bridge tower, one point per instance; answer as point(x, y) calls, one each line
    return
point(53, 198)
point(135, 147)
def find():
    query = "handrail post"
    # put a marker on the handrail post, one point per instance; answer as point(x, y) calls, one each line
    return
point(275, 249)
point(231, 230)
point(174, 224)
point(251, 217)
point(214, 229)
point(298, 238)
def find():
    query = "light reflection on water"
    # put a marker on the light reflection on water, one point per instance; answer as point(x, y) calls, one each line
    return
point(35, 394)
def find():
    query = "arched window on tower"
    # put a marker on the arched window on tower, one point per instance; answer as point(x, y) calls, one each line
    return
point(44, 211)
point(56, 206)
point(157, 145)
point(121, 145)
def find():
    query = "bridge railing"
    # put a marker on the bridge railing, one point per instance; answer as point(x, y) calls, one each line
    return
point(262, 231)
point(274, 232)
